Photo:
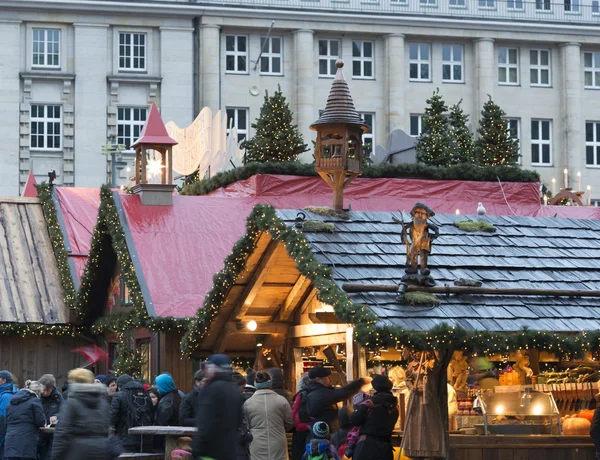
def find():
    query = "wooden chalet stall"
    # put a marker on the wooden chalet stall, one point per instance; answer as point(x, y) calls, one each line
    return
point(37, 332)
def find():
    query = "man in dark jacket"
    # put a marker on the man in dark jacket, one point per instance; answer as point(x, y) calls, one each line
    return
point(6, 392)
point(322, 398)
point(376, 418)
point(189, 404)
point(219, 412)
point(131, 406)
point(51, 402)
point(277, 386)
point(249, 389)
point(24, 418)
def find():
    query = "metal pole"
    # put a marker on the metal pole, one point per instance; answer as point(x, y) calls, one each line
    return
point(113, 168)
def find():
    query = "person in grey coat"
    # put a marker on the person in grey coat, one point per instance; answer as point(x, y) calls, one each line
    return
point(82, 429)
point(24, 417)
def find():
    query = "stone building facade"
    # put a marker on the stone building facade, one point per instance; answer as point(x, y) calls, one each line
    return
point(539, 60)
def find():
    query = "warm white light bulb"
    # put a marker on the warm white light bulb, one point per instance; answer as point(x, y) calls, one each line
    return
point(457, 212)
point(252, 325)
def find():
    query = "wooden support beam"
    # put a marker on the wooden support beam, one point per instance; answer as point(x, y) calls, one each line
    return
point(258, 278)
point(325, 317)
point(221, 342)
point(357, 287)
point(295, 295)
point(320, 340)
point(261, 328)
point(350, 373)
point(311, 330)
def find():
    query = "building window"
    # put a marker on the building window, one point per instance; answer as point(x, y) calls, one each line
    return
point(132, 51)
point(514, 131)
point(452, 63)
point(592, 69)
point(368, 139)
point(416, 125)
point(419, 62)
point(595, 6)
point(486, 4)
point(572, 6)
point(428, 2)
point(457, 3)
point(46, 48)
point(514, 4)
point(541, 142)
point(236, 54)
point(272, 56)
point(362, 59)
point(508, 66)
point(45, 127)
point(130, 121)
point(543, 5)
point(238, 118)
point(540, 67)
point(592, 143)
point(329, 53)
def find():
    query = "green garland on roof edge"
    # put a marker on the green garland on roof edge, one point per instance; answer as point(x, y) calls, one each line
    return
point(366, 332)
point(32, 330)
point(109, 223)
point(384, 170)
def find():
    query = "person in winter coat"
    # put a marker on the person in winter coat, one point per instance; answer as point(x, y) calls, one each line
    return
point(82, 429)
point(188, 407)
point(244, 435)
point(249, 389)
point(301, 419)
point(6, 392)
point(110, 382)
point(130, 407)
point(323, 398)
point(51, 402)
point(24, 418)
point(167, 411)
point(269, 416)
point(219, 412)
point(376, 419)
point(277, 386)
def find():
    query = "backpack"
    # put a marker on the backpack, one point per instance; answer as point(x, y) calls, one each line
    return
point(303, 411)
point(319, 449)
point(138, 407)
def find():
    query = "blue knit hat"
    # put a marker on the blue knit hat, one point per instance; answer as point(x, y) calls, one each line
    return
point(6, 376)
point(320, 430)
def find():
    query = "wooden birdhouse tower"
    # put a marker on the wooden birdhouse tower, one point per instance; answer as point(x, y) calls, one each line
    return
point(154, 137)
point(339, 148)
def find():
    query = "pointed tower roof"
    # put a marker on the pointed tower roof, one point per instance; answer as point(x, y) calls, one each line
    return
point(29, 190)
point(154, 131)
point(340, 106)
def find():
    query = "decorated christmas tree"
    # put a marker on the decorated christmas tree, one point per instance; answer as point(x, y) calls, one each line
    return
point(277, 138)
point(433, 146)
point(461, 145)
point(130, 359)
point(494, 146)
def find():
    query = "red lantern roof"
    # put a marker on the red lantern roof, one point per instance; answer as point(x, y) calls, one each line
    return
point(154, 131)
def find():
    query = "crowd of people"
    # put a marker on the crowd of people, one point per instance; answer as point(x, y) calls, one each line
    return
point(237, 417)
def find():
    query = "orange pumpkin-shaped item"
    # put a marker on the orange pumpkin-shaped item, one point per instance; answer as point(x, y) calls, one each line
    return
point(586, 414)
point(576, 426)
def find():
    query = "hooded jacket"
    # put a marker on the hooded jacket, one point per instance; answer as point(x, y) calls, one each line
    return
point(277, 383)
point(24, 417)
point(120, 414)
point(6, 392)
point(322, 401)
point(82, 429)
point(219, 417)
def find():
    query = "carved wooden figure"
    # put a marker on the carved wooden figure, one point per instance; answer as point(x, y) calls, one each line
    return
point(418, 236)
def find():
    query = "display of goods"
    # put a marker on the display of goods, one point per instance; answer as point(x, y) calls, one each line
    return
point(575, 426)
point(586, 414)
point(580, 374)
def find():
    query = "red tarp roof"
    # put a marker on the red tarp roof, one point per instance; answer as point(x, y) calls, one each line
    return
point(181, 247)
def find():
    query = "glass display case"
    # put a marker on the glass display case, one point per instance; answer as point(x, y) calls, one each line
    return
point(522, 412)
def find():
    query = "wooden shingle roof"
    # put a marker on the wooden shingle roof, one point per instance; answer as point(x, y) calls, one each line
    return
point(30, 287)
point(524, 252)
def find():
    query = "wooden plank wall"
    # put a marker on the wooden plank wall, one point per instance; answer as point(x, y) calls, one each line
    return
point(172, 361)
point(30, 357)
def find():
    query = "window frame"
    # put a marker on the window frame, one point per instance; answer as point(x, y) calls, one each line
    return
point(574, 6)
point(370, 134)
point(267, 53)
point(508, 65)
point(133, 124)
point(518, 5)
point(237, 54)
point(428, 3)
point(540, 67)
point(419, 62)
point(594, 143)
point(452, 63)
point(419, 117)
point(542, 142)
point(131, 48)
point(246, 131)
point(329, 58)
point(594, 69)
point(45, 120)
point(546, 6)
point(595, 7)
point(362, 59)
point(486, 4)
point(45, 54)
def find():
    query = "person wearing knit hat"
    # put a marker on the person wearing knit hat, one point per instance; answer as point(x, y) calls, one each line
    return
point(376, 418)
point(320, 444)
point(320, 430)
point(52, 402)
point(122, 380)
point(269, 416)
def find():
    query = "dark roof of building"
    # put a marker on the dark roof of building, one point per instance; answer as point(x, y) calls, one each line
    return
point(30, 286)
point(524, 252)
point(340, 106)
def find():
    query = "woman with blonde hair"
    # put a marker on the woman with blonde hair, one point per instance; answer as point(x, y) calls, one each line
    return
point(82, 429)
point(24, 418)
